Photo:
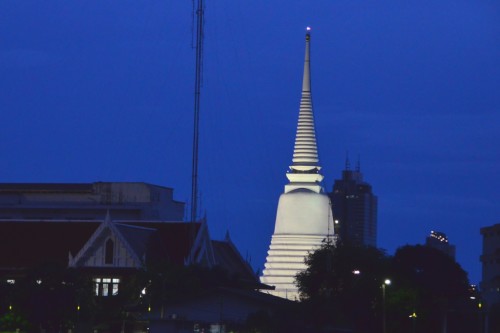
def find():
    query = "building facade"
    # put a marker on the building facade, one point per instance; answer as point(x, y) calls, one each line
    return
point(304, 217)
point(490, 261)
point(354, 208)
point(439, 241)
point(46, 228)
point(89, 201)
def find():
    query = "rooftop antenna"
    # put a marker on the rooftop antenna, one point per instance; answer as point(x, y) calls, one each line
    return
point(197, 89)
point(347, 162)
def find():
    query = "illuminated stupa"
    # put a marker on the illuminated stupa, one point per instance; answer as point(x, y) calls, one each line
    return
point(304, 216)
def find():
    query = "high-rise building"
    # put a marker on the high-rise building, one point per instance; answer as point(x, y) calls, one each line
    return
point(439, 241)
point(304, 217)
point(354, 208)
point(490, 260)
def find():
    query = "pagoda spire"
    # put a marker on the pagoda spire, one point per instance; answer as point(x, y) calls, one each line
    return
point(304, 171)
point(304, 216)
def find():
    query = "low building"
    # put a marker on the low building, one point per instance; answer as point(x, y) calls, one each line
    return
point(89, 201)
point(73, 226)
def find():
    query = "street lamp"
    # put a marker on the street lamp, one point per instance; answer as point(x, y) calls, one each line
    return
point(413, 318)
point(384, 326)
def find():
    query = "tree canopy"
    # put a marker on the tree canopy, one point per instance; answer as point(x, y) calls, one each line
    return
point(343, 286)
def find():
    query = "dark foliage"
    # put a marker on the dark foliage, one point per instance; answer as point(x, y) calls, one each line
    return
point(341, 285)
point(431, 284)
point(50, 297)
point(425, 282)
point(433, 272)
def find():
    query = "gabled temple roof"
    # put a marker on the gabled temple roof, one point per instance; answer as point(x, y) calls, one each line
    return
point(27, 244)
point(228, 257)
point(137, 237)
point(172, 240)
point(32, 243)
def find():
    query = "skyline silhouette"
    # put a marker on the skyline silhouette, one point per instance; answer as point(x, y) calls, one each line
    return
point(104, 92)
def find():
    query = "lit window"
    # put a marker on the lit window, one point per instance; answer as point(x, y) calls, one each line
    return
point(115, 286)
point(97, 283)
point(106, 286)
point(11, 281)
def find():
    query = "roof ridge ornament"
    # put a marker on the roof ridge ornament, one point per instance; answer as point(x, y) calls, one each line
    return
point(107, 219)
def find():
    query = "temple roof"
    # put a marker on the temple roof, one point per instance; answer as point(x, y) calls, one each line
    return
point(28, 244)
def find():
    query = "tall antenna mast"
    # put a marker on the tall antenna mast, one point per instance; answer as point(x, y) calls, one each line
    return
point(197, 89)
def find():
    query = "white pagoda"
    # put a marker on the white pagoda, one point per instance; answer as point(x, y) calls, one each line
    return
point(304, 216)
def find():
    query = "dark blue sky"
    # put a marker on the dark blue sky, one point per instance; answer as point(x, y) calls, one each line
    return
point(103, 91)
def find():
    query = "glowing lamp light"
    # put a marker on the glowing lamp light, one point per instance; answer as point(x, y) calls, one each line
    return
point(308, 28)
point(387, 282)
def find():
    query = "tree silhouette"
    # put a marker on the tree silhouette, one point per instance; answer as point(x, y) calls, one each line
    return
point(439, 289)
point(342, 286)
